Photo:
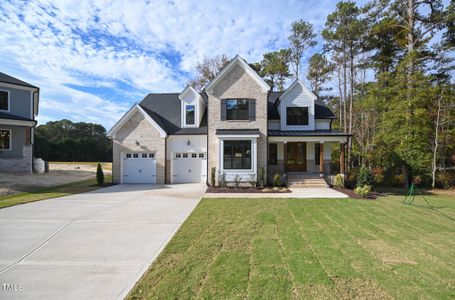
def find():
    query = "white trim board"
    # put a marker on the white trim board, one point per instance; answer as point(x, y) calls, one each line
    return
point(136, 108)
point(17, 122)
point(238, 61)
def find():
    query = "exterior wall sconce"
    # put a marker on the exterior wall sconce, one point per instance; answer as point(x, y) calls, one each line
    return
point(188, 143)
point(137, 143)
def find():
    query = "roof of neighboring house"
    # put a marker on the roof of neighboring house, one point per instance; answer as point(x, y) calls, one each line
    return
point(165, 109)
point(307, 133)
point(238, 132)
point(12, 80)
point(4, 115)
point(321, 110)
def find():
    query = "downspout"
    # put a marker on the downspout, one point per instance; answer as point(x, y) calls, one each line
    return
point(32, 129)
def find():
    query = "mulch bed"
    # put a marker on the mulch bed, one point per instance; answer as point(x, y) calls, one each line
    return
point(352, 194)
point(211, 189)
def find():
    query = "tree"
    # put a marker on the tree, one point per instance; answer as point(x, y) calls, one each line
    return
point(319, 72)
point(99, 174)
point(274, 68)
point(207, 69)
point(302, 37)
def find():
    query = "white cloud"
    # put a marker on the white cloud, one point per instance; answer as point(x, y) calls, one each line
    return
point(134, 47)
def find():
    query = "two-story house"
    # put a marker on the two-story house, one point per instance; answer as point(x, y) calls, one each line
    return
point(19, 102)
point(236, 126)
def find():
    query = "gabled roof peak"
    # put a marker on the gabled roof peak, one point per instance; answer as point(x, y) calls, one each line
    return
point(303, 85)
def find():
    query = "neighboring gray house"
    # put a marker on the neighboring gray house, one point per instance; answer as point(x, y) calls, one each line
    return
point(236, 125)
point(18, 109)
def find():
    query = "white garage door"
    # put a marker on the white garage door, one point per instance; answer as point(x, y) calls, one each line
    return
point(139, 167)
point(189, 167)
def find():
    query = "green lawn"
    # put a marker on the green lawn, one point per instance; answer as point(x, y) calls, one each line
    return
point(53, 192)
point(319, 248)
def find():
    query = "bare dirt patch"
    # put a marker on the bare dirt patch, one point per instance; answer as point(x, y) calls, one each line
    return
point(386, 253)
point(79, 166)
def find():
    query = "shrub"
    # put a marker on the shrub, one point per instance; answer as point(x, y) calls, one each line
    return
point(222, 180)
point(261, 178)
point(277, 180)
point(378, 175)
point(252, 180)
point(445, 179)
point(365, 177)
point(212, 176)
point(99, 174)
point(363, 190)
point(339, 181)
point(237, 181)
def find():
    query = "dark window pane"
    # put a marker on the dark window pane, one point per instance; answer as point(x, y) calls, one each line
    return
point(297, 115)
point(237, 155)
point(317, 151)
point(273, 153)
point(3, 100)
point(237, 109)
point(5, 139)
point(190, 114)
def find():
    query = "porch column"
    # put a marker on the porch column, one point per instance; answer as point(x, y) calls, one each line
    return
point(285, 156)
point(321, 158)
point(342, 165)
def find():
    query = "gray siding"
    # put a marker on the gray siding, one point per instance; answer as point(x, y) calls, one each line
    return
point(18, 141)
point(20, 102)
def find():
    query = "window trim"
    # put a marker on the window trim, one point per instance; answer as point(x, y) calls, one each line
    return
point(248, 100)
point(10, 139)
point(194, 117)
point(251, 156)
point(301, 107)
point(9, 101)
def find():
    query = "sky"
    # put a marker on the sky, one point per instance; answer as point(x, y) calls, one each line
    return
point(94, 59)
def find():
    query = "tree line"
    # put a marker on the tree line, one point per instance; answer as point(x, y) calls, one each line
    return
point(67, 141)
point(386, 69)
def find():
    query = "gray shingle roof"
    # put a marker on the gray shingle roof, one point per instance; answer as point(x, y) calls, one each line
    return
point(12, 80)
point(307, 133)
point(165, 109)
point(321, 110)
point(4, 115)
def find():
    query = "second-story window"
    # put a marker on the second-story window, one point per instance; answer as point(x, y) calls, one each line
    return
point(189, 114)
point(4, 100)
point(297, 115)
point(237, 109)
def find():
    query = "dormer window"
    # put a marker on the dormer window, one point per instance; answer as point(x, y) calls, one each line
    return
point(297, 115)
point(190, 113)
point(4, 101)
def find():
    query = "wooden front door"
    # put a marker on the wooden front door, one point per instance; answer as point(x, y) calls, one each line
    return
point(295, 157)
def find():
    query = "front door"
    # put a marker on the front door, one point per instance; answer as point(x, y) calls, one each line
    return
point(296, 157)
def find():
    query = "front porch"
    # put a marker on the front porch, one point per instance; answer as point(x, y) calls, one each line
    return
point(306, 157)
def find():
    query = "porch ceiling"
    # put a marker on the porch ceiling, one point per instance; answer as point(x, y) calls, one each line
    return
point(304, 133)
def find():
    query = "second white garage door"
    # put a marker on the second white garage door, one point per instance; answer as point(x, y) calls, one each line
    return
point(189, 167)
point(139, 168)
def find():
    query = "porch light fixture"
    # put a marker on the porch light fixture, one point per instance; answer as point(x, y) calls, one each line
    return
point(188, 143)
point(137, 143)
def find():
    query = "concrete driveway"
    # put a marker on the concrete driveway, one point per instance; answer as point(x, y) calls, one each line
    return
point(89, 246)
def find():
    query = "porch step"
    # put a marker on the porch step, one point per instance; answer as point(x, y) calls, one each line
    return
point(306, 180)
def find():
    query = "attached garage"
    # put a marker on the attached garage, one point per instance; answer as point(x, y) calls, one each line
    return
point(138, 167)
point(189, 167)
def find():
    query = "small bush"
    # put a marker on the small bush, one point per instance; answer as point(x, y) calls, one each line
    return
point(378, 175)
point(261, 178)
point(365, 177)
point(222, 180)
point(99, 175)
point(277, 180)
point(350, 180)
point(237, 181)
point(339, 181)
point(445, 179)
point(252, 180)
point(213, 176)
point(363, 190)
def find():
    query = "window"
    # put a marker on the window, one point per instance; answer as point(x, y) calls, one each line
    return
point(4, 100)
point(201, 155)
point(178, 155)
point(237, 109)
point(144, 155)
point(185, 155)
point(194, 155)
point(152, 155)
point(5, 139)
point(317, 154)
point(297, 115)
point(237, 155)
point(135, 155)
point(273, 153)
point(189, 114)
point(128, 155)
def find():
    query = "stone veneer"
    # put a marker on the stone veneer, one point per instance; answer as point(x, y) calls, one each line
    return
point(236, 84)
point(137, 128)
point(21, 165)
